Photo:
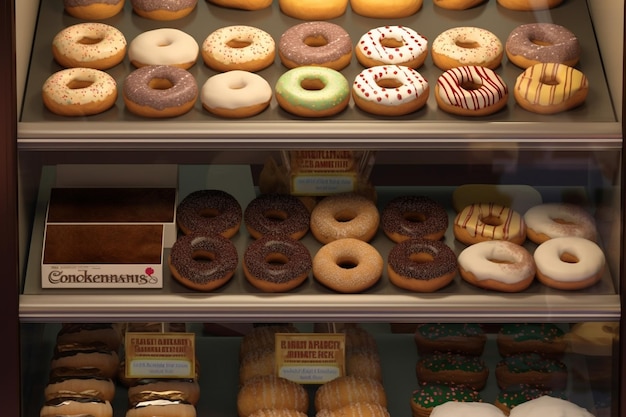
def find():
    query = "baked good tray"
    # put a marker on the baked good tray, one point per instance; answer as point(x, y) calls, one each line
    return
point(595, 118)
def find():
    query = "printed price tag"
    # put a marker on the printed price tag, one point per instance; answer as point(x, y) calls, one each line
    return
point(310, 358)
point(160, 355)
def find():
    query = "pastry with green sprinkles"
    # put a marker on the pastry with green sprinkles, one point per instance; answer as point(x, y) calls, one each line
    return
point(533, 369)
point(453, 368)
point(465, 338)
point(544, 338)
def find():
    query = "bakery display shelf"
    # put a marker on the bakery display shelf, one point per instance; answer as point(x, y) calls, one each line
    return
point(219, 373)
point(238, 300)
point(592, 125)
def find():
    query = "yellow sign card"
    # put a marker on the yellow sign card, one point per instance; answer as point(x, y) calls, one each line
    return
point(160, 355)
point(310, 358)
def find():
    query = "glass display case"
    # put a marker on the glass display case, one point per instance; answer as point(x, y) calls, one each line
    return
point(522, 157)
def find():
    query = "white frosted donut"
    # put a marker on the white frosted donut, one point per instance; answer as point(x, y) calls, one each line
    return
point(550, 220)
point(79, 92)
point(392, 45)
point(479, 222)
point(89, 45)
point(165, 46)
point(471, 91)
point(497, 265)
point(236, 94)
point(467, 45)
point(569, 263)
point(238, 47)
point(390, 90)
point(346, 215)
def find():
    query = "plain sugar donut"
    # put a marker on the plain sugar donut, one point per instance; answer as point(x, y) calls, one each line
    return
point(243, 4)
point(236, 94)
point(344, 215)
point(392, 45)
point(488, 221)
point(347, 265)
point(385, 9)
point(313, 9)
point(165, 46)
point(569, 263)
point(89, 45)
point(550, 220)
point(457, 4)
point(535, 43)
point(238, 47)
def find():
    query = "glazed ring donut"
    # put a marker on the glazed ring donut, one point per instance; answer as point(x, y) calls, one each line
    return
point(479, 222)
point(89, 45)
point(79, 92)
point(236, 94)
point(347, 265)
point(238, 47)
point(569, 263)
point(160, 91)
point(497, 265)
point(536, 43)
point(99, 387)
point(271, 392)
point(209, 211)
point(93, 9)
point(99, 361)
point(390, 90)
point(277, 214)
point(527, 5)
point(344, 215)
point(471, 91)
point(380, 9)
point(392, 45)
point(550, 220)
point(466, 45)
point(275, 263)
point(409, 217)
point(421, 265)
point(165, 46)
point(457, 4)
point(313, 9)
point(243, 4)
point(163, 9)
point(315, 43)
point(312, 91)
point(348, 389)
point(356, 409)
point(550, 88)
point(161, 406)
point(72, 406)
point(203, 262)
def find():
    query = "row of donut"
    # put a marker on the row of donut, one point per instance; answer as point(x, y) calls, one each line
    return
point(567, 256)
point(302, 9)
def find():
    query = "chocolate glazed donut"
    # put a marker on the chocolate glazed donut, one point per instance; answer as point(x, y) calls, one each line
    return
point(210, 212)
point(278, 214)
point(409, 217)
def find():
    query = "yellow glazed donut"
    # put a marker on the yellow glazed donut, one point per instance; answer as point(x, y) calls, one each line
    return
point(313, 9)
point(529, 4)
point(93, 9)
point(488, 221)
point(163, 9)
point(89, 45)
point(457, 4)
point(344, 215)
point(165, 46)
point(392, 45)
point(243, 4)
point(79, 92)
point(236, 94)
point(550, 88)
point(347, 265)
point(466, 45)
point(385, 9)
point(238, 47)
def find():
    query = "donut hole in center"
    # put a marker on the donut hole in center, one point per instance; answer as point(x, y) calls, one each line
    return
point(391, 43)
point(389, 83)
point(549, 79)
point(276, 259)
point(203, 256)
point(540, 42)
point(414, 217)
point(562, 221)
point(78, 84)
point(164, 43)
point(209, 213)
point(500, 261)
point(347, 262)
point(275, 215)
point(467, 44)
point(492, 220)
point(87, 40)
point(238, 43)
point(312, 84)
point(315, 41)
point(470, 85)
point(421, 257)
point(160, 84)
point(346, 215)
point(569, 258)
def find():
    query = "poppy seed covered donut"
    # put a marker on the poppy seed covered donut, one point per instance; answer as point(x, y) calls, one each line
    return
point(409, 217)
point(209, 211)
point(282, 214)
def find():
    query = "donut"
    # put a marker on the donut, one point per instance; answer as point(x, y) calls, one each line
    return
point(535, 43)
point(381, 9)
point(103, 334)
point(209, 211)
point(315, 43)
point(238, 47)
point(258, 362)
point(93, 9)
point(187, 390)
point(364, 363)
point(488, 221)
point(544, 338)
point(347, 389)
point(80, 385)
point(89, 45)
point(569, 263)
point(528, 5)
point(390, 90)
point(243, 4)
point(359, 339)
point(452, 368)
point(160, 91)
point(408, 217)
point(79, 92)
point(429, 396)
point(514, 395)
point(312, 91)
point(466, 408)
point(421, 265)
point(531, 369)
point(344, 215)
point(82, 360)
point(356, 409)
point(162, 406)
point(164, 46)
point(550, 404)
point(550, 88)
point(457, 4)
point(497, 265)
point(202, 262)
point(276, 263)
point(466, 46)
point(277, 214)
point(163, 9)
point(76, 406)
point(313, 9)
point(262, 338)
point(392, 45)
point(270, 391)
point(548, 220)
point(465, 338)
point(471, 91)
point(347, 265)
point(277, 412)
point(236, 94)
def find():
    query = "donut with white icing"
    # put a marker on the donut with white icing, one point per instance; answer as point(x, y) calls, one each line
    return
point(392, 45)
point(105, 48)
point(481, 222)
point(548, 405)
point(238, 47)
point(236, 94)
point(467, 45)
point(165, 46)
point(549, 220)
